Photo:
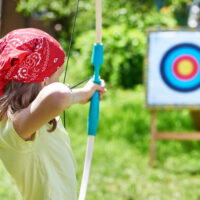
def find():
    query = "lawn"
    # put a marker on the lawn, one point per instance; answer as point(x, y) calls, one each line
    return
point(120, 167)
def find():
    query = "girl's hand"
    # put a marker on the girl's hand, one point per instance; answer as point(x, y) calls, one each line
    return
point(90, 88)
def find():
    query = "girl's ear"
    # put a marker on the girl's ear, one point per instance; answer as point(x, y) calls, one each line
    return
point(44, 83)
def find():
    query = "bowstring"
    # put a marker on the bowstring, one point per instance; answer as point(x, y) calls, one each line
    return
point(81, 82)
point(71, 40)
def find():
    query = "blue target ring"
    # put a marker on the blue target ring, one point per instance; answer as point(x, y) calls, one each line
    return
point(169, 60)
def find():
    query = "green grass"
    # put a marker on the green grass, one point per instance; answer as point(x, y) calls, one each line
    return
point(120, 167)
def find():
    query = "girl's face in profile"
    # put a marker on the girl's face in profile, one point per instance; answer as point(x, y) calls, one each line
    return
point(55, 76)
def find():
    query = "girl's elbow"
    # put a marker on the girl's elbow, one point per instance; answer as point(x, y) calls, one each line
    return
point(57, 96)
point(62, 100)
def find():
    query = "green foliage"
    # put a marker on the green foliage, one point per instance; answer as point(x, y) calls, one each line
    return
point(47, 10)
point(124, 51)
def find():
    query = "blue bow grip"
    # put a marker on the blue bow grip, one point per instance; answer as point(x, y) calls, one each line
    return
point(97, 61)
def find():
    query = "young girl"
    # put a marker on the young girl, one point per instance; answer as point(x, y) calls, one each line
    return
point(34, 146)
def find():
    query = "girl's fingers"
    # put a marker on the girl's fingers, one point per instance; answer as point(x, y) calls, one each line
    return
point(102, 86)
point(99, 88)
point(100, 96)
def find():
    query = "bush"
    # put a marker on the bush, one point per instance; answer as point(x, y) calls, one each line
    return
point(124, 50)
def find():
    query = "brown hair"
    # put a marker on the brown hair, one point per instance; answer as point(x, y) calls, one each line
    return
point(17, 96)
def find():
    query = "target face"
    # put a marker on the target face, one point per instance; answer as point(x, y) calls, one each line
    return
point(180, 67)
point(173, 74)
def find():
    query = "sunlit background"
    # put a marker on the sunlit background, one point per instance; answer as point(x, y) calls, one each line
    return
point(120, 167)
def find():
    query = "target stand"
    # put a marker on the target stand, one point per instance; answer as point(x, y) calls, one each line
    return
point(172, 80)
point(156, 135)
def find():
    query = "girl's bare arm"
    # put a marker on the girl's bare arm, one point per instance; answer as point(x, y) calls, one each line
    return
point(50, 102)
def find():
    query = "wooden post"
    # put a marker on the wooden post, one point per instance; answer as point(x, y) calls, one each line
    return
point(195, 114)
point(153, 137)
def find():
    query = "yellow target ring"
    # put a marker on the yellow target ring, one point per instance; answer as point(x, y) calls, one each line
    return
point(185, 67)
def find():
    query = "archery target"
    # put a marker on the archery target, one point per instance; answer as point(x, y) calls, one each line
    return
point(180, 67)
point(173, 72)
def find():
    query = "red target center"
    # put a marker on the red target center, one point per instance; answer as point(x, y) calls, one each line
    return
point(185, 67)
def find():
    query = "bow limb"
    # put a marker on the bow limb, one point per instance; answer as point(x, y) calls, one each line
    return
point(93, 119)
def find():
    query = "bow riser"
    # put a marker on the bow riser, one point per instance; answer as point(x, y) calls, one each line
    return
point(97, 61)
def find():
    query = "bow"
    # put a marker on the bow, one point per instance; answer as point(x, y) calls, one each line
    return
point(97, 61)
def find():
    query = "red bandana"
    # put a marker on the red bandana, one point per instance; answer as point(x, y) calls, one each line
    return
point(29, 56)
